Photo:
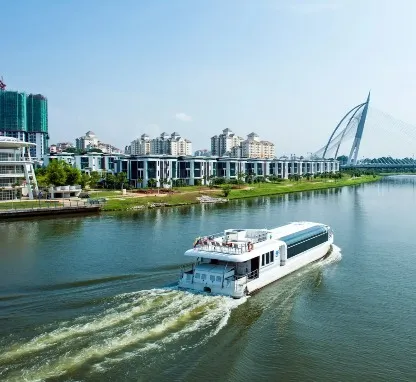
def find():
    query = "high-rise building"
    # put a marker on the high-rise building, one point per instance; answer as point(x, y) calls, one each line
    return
point(253, 147)
point(172, 144)
point(140, 146)
point(86, 142)
point(13, 114)
point(223, 143)
point(25, 117)
point(90, 141)
point(37, 124)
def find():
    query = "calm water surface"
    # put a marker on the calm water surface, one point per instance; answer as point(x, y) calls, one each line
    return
point(94, 299)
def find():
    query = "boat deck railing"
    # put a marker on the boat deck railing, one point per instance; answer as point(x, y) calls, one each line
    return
point(217, 242)
point(248, 276)
point(229, 248)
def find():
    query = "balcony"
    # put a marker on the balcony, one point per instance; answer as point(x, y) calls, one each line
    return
point(12, 175)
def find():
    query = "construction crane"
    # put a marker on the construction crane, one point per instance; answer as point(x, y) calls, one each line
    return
point(2, 84)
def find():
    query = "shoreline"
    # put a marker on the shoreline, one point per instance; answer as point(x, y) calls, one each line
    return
point(187, 196)
point(131, 203)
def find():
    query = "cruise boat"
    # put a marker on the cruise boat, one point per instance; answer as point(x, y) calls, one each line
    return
point(237, 262)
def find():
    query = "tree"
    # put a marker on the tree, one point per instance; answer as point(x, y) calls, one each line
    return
point(121, 179)
point(85, 179)
point(343, 159)
point(73, 175)
point(110, 181)
point(226, 189)
point(151, 182)
point(55, 173)
point(240, 177)
point(95, 177)
point(73, 150)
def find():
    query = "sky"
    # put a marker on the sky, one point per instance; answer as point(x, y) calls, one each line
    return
point(287, 70)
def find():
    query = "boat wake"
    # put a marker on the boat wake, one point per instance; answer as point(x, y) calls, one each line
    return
point(139, 325)
point(131, 325)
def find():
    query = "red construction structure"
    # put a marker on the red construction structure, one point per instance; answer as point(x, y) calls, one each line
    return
point(2, 84)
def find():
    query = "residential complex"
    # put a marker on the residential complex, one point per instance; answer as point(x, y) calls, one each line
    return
point(92, 162)
point(60, 147)
point(172, 144)
point(192, 170)
point(234, 146)
point(253, 147)
point(16, 169)
point(223, 143)
point(90, 141)
point(139, 146)
point(25, 117)
point(200, 170)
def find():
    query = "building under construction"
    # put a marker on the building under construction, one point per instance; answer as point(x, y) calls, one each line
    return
point(37, 124)
point(25, 117)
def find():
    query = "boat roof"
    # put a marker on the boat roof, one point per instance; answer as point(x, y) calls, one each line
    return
point(259, 248)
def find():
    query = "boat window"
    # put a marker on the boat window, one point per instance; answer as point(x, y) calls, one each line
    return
point(218, 278)
point(262, 260)
point(267, 258)
point(212, 278)
point(305, 245)
point(271, 256)
point(203, 276)
point(197, 275)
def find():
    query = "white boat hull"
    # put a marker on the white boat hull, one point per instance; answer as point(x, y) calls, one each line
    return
point(270, 274)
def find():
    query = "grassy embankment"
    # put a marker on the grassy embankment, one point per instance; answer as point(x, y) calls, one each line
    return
point(188, 195)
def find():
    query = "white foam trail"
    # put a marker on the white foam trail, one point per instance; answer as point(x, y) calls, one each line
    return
point(147, 321)
point(136, 324)
point(109, 318)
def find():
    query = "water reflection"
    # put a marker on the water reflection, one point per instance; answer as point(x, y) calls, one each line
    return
point(21, 234)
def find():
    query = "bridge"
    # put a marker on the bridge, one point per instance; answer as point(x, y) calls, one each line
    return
point(352, 124)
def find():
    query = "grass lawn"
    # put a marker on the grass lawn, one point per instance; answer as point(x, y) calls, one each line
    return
point(263, 189)
point(188, 195)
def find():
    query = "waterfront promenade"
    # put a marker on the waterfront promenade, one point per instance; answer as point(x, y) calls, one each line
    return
point(25, 209)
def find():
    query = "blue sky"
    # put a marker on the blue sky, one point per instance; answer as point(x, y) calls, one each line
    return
point(287, 70)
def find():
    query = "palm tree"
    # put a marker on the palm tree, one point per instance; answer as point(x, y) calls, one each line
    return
point(151, 182)
point(240, 177)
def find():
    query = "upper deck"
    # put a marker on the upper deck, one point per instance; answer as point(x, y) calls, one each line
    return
point(232, 242)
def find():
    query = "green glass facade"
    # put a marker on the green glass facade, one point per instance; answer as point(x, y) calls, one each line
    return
point(13, 115)
point(37, 113)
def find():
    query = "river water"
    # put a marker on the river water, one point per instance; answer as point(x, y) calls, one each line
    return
point(94, 298)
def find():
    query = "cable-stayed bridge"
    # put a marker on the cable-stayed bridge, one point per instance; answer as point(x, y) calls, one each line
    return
point(352, 126)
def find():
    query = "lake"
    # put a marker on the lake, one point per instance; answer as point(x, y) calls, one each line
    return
point(94, 298)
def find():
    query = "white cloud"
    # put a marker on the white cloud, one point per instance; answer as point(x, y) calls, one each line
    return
point(183, 117)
